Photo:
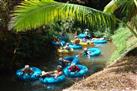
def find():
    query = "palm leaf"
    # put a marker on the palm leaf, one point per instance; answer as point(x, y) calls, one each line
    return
point(133, 23)
point(111, 7)
point(32, 14)
point(128, 7)
point(135, 2)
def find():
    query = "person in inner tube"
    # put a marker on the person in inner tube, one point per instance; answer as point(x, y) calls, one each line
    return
point(74, 68)
point(67, 46)
point(87, 34)
point(57, 41)
point(61, 44)
point(63, 62)
point(76, 34)
point(87, 53)
point(76, 41)
point(58, 72)
point(27, 70)
point(55, 73)
point(84, 40)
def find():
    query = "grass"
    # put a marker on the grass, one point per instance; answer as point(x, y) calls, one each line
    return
point(123, 40)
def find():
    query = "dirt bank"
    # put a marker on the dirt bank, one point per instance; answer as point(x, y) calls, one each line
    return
point(121, 76)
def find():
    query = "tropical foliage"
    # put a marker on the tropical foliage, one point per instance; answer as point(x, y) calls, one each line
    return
point(120, 40)
point(32, 14)
point(5, 9)
point(123, 40)
point(128, 8)
point(47, 11)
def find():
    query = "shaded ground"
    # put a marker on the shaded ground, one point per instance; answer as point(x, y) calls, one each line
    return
point(121, 76)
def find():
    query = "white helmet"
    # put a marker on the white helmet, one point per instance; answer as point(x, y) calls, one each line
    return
point(60, 58)
point(85, 49)
point(59, 66)
point(43, 72)
point(27, 66)
point(67, 43)
point(87, 29)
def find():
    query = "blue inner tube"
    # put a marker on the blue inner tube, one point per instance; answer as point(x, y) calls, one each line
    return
point(55, 43)
point(62, 43)
point(97, 41)
point(81, 35)
point(50, 80)
point(25, 76)
point(72, 59)
point(83, 71)
point(75, 46)
point(94, 51)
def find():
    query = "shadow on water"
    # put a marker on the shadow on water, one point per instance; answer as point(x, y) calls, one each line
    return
point(10, 83)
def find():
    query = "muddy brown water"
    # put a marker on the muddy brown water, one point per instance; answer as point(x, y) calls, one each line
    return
point(94, 64)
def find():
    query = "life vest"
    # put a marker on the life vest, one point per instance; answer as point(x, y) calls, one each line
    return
point(74, 69)
point(27, 70)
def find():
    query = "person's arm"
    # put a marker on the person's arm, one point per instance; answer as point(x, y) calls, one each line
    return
point(50, 72)
point(44, 74)
point(67, 61)
point(80, 53)
point(23, 69)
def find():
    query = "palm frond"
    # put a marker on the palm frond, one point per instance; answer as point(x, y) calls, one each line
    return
point(128, 7)
point(135, 2)
point(133, 23)
point(32, 14)
point(111, 7)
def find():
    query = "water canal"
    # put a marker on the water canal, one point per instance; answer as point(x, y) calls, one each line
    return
point(11, 83)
